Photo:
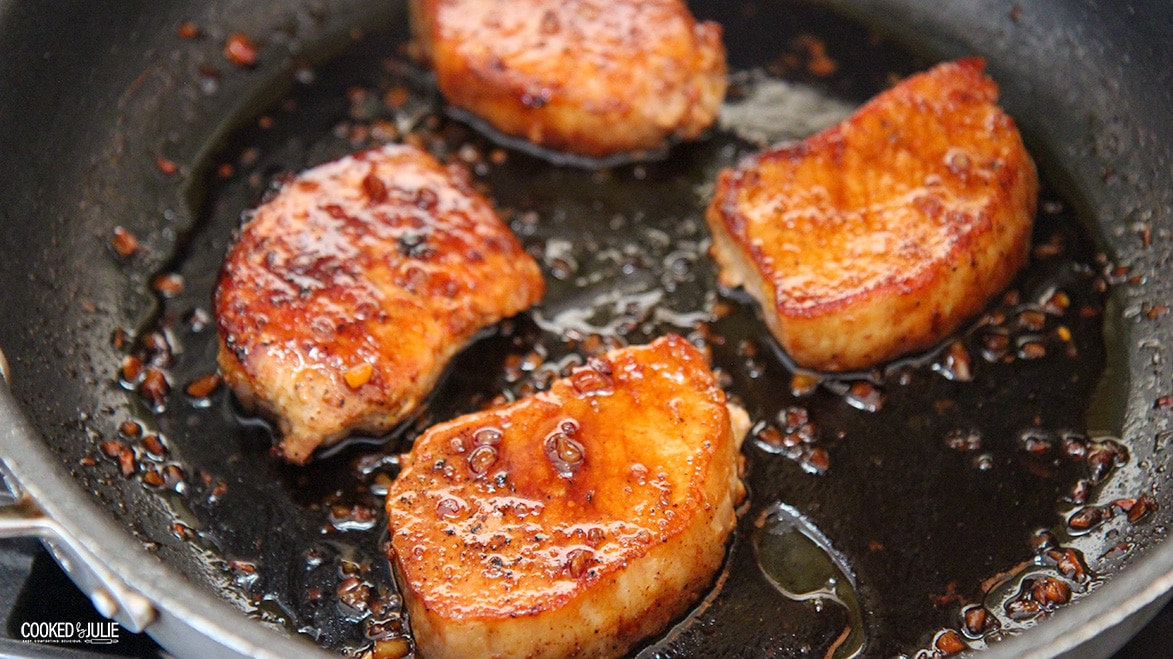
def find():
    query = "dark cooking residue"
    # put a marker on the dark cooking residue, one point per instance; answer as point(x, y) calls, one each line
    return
point(941, 502)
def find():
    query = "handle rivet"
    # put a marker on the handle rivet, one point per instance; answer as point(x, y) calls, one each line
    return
point(105, 603)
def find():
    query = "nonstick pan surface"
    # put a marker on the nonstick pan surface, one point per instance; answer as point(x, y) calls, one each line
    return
point(928, 493)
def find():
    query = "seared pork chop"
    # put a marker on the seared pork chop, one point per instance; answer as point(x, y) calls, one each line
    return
point(574, 522)
point(882, 235)
point(590, 77)
point(347, 293)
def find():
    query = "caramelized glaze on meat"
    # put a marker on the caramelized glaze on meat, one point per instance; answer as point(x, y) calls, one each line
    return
point(574, 522)
point(881, 235)
point(346, 294)
point(590, 77)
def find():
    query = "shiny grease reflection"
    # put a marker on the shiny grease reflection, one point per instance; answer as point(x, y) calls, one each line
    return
point(800, 562)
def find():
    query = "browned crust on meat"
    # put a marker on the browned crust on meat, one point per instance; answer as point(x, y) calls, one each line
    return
point(346, 294)
point(590, 77)
point(488, 559)
point(884, 234)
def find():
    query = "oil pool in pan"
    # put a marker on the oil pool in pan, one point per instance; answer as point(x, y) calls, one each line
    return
point(935, 505)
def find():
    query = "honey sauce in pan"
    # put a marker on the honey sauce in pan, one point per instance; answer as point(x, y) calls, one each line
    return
point(931, 505)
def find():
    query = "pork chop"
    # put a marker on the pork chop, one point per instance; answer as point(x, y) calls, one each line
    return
point(590, 77)
point(574, 522)
point(346, 294)
point(884, 234)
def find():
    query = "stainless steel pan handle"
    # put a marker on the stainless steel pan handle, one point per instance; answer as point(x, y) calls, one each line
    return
point(23, 516)
point(125, 583)
point(109, 594)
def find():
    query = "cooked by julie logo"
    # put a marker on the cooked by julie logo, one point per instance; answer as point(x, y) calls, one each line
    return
point(94, 633)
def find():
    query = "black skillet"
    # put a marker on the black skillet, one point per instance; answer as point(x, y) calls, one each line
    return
point(234, 551)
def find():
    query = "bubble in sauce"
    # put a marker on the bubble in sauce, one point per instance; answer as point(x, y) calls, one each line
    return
point(481, 459)
point(590, 381)
point(563, 451)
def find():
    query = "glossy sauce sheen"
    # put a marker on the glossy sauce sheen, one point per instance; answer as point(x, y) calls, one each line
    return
point(349, 290)
point(590, 77)
point(882, 235)
point(572, 522)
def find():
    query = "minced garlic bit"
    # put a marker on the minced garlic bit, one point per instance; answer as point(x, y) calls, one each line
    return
point(358, 375)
